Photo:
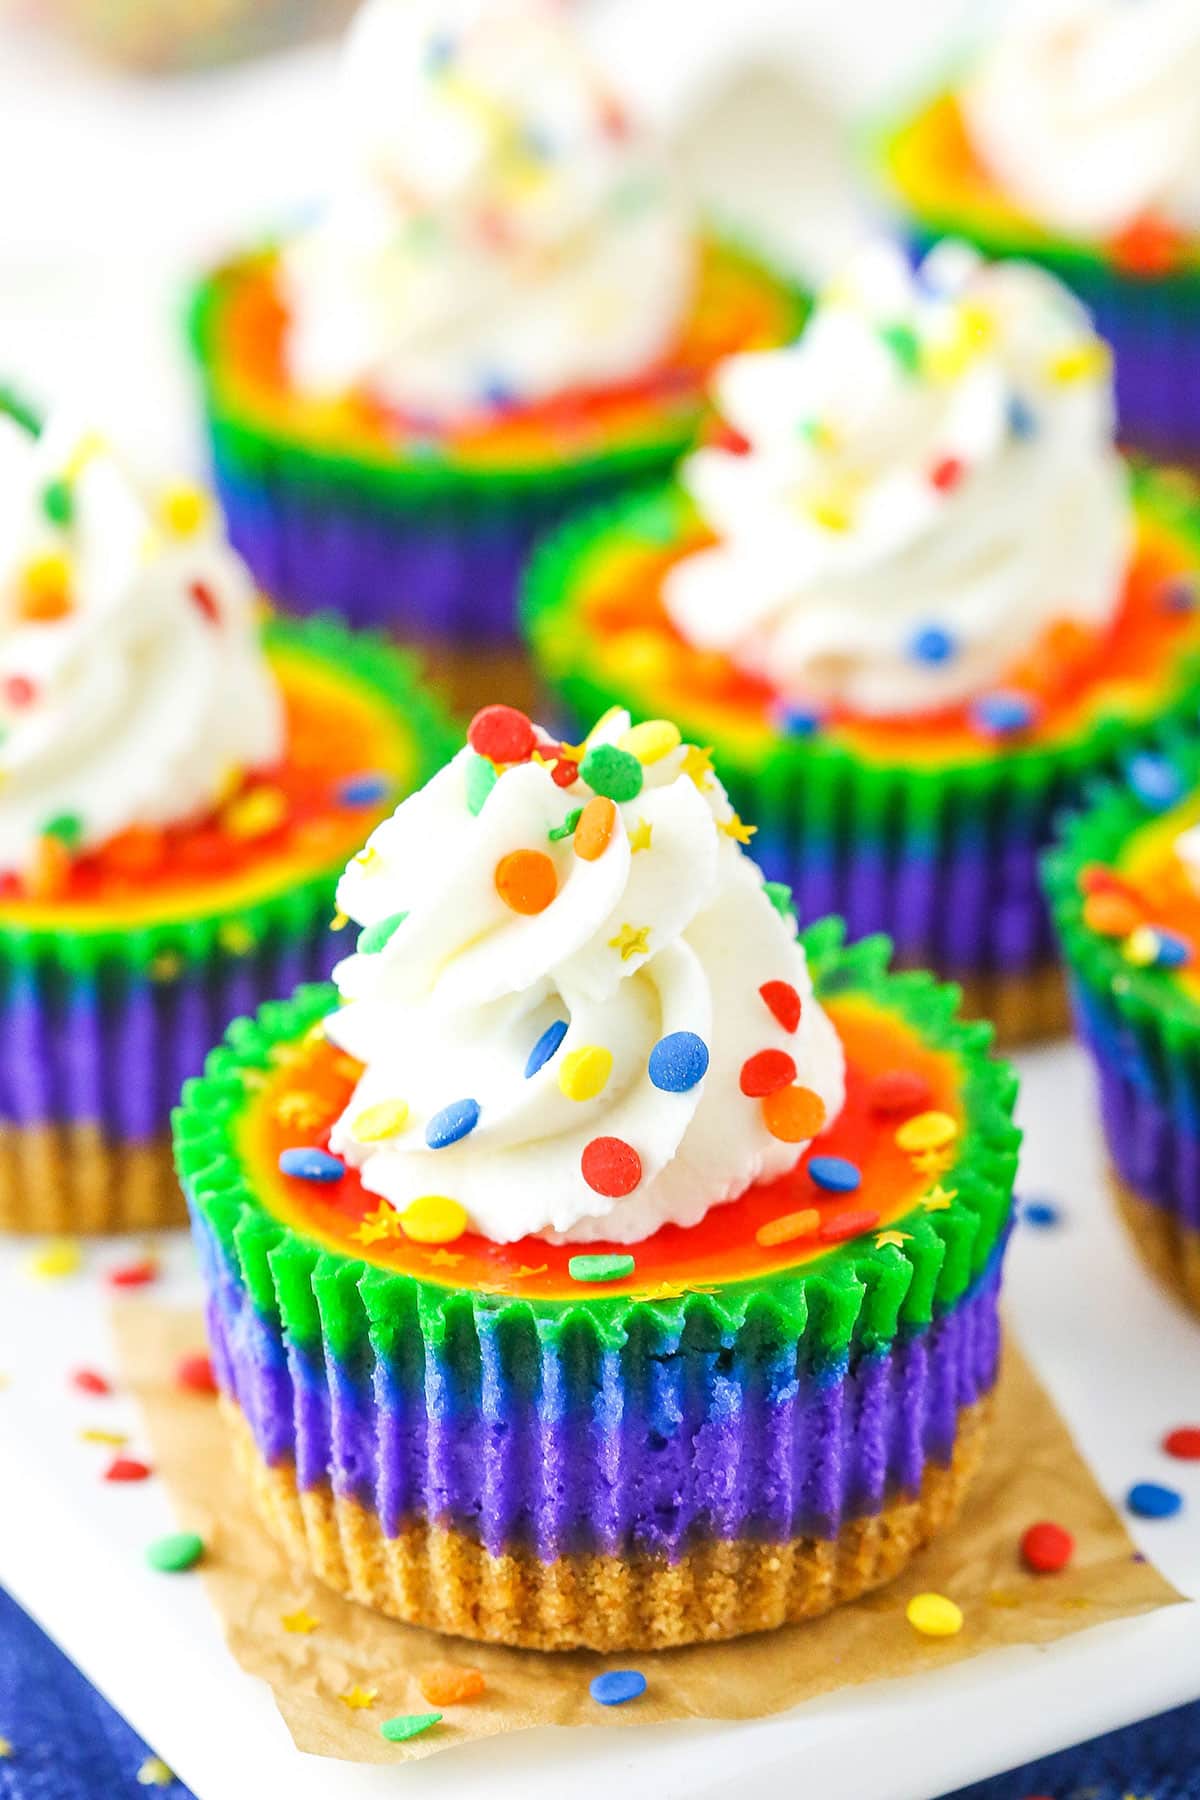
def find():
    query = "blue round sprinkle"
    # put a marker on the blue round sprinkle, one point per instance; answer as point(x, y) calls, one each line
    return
point(1042, 1214)
point(616, 1686)
point(1156, 781)
point(678, 1061)
point(311, 1164)
point(1171, 951)
point(932, 645)
point(364, 790)
point(798, 721)
point(452, 1123)
point(545, 1047)
point(835, 1173)
point(1150, 1501)
point(1021, 421)
point(1003, 712)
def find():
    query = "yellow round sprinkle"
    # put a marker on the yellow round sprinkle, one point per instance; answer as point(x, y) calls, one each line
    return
point(585, 1072)
point(934, 1616)
point(652, 741)
point(255, 813)
point(433, 1219)
point(926, 1131)
point(185, 508)
point(1141, 947)
point(383, 1120)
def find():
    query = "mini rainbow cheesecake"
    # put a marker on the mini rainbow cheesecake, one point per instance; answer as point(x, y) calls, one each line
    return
point(503, 312)
point(912, 596)
point(1074, 140)
point(1125, 888)
point(613, 1266)
point(178, 792)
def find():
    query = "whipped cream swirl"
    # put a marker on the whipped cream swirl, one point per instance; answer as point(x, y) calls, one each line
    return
point(132, 682)
point(500, 232)
point(926, 481)
point(1087, 112)
point(664, 929)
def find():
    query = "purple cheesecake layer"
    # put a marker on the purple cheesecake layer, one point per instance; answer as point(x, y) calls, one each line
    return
point(113, 1048)
point(1152, 1139)
point(599, 1449)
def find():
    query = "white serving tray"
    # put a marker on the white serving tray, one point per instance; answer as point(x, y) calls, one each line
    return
point(1122, 1361)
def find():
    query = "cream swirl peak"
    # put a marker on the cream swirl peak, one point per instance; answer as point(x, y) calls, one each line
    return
point(1087, 112)
point(924, 483)
point(132, 685)
point(581, 1011)
point(500, 232)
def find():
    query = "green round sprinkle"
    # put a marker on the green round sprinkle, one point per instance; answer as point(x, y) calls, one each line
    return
point(58, 502)
point(66, 827)
point(407, 1725)
point(172, 1555)
point(374, 937)
point(481, 779)
point(615, 773)
point(904, 345)
point(780, 896)
point(612, 1267)
point(567, 828)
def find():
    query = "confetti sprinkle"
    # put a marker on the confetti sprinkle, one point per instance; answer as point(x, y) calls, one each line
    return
point(926, 1131)
point(502, 734)
point(1004, 713)
point(154, 1772)
point(898, 1091)
point(113, 1439)
point(1149, 1500)
point(127, 1468)
point(567, 829)
point(766, 1072)
point(848, 1225)
point(446, 1685)
point(631, 940)
point(612, 773)
point(56, 1260)
point(184, 508)
point(363, 790)
point(452, 1123)
point(58, 503)
point(90, 1381)
point(375, 937)
point(613, 1266)
point(205, 601)
point(305, 1162)
point(134, 1274)
point(782, 1002)
point(545, 1047)
point(1046, 1548)
point(934, 1616)
point(385, 1119)
point(300, 1622)
point(1155, 781)
point(408, 1725)
point(836, 1174)
point(1043, 1215)
point(616, 1686)
point(611, 1167)
point(593, 833)
point(651, 741)
point(794, 1115)
point(481, 779)
point(195, 1373)
point(176, 1553)
point(904, 345)
point(678, 1062)
point(789, 1226)
point(526, 881)
point(1183, 1443)
point(434, 1219)
point(45, 588)
point(932, 645)
point(585, 1072)
point(359, 1699)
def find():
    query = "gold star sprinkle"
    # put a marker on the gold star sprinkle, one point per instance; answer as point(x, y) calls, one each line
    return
point(300, 1111)
point(384, 1222)
point(938, 1198)
point(696, 764)
point(734, 828)
point(933, 1162)
point(300, 1622)
point(573, 752)
point(445, 1259)
point(525, 1270)
point(155, 1773)
point(665, 1290)
point(631, 940)
point(891, 1237)
point(359, 1698)
point(639, 837)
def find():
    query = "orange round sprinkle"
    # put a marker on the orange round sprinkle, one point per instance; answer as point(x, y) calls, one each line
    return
point(794, 1114)
point(448, 1686)
point(45, 588)
point(526, 880)
point(791, 1225)
point(1111, 914)
point(593, 834)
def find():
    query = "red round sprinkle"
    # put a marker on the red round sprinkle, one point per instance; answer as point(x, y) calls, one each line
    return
point(196, 1373)
point(135, 1274)
point(19, 690)
point(502, 734)
point(203, 597)
point(1184, 1443)
point(767, 1072)
point(783, 1001)
point(946, 474)
point(126, 1468)
point(611, 1167)
point(1046, 1548)
point(899, 1091)
point(90, 1381)
point(848, 1225)
point(565, 773)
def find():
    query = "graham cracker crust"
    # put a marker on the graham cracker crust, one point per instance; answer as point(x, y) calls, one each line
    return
point(70, 1179)
point(1023, 1008)
point(438, 1578)
point(1169, 1248)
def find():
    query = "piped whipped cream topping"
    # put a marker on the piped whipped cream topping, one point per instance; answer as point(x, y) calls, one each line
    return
point(132, 682)
point(1087, 113)
point(500, 231)
point(922, 485)
point(582, 1012)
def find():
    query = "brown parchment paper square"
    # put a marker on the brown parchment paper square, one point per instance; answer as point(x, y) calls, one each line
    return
point(1032, 1471)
